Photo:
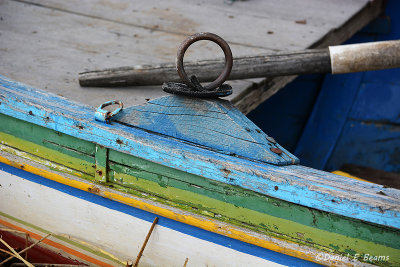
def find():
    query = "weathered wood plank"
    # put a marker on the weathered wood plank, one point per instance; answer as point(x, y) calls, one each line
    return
point(49, 42)
point(7, 150)
point(296, 184)
point(229, 21)
point(214, 124)
point(47, 144)
point(47, 49)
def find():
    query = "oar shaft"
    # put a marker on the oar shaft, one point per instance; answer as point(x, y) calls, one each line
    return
point(277, 64)
point(336, 59)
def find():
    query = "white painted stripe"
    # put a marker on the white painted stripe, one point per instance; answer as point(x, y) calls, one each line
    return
point(117, 233)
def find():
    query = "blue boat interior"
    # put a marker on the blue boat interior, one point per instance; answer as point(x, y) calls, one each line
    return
point(345, 118)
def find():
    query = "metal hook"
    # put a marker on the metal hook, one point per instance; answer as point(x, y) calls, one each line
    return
point(105, 115)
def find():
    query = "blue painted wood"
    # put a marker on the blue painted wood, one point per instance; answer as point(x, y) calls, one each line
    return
point(377, 102)
point(293, 183)
point(381, 25)
point(372, 131)
point(360, 139)
point(358, 123)
point(326, 122)
point(54, 102)
point(283, 116)
point(212, 123)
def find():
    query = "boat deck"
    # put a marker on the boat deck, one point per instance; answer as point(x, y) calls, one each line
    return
point(47, 43)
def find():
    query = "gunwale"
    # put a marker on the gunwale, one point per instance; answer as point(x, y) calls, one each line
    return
point(297, 184)
point(119, 159)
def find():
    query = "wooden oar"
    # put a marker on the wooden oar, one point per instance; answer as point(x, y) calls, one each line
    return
point(335, 59)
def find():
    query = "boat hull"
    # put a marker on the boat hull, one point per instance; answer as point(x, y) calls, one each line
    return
point(111, 233)
point(289, 215)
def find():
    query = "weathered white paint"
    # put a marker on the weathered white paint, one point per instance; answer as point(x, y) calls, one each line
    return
point(116, 232)
point(365, 57)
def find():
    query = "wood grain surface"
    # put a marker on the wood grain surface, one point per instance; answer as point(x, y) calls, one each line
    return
point(47, 43)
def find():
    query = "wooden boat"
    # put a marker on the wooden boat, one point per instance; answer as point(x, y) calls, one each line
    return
point(225, 193)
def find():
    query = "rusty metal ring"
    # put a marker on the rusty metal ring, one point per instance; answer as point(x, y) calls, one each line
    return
point(211, 37)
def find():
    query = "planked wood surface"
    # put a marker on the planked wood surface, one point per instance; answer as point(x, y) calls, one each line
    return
point(47, 43)
point(213, 124)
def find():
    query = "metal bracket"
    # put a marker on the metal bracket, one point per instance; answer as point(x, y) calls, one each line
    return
point(105, 115)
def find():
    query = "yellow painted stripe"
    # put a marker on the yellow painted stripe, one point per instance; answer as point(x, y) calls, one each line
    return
point(229, 231)
point(345, 174)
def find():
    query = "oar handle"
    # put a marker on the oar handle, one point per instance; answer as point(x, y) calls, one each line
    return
point(365, 57)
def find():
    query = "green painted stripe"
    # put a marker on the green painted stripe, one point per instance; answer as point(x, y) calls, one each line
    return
point(44, 136)
point(51, 165)
point(66, 240)
point(168, 178)
point(101, 158)
point(247, 218)
point(68, 158)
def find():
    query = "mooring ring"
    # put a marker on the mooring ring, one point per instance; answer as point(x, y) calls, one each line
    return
point(211, 37)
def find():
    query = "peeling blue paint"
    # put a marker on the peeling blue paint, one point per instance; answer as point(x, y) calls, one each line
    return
point(296, 184)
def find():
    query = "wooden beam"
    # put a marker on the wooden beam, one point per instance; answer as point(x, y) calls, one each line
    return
point(276, 64)
point(338, 59)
